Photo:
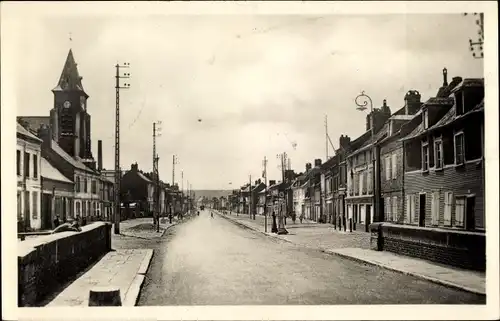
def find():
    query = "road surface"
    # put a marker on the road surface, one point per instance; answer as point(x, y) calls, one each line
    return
point(211, 261)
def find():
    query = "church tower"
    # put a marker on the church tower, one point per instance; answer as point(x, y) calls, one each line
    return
point(69, 118)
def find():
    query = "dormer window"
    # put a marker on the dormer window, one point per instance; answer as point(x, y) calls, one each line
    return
point(425, 118)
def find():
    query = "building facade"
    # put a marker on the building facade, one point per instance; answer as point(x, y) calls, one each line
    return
point(28, 170)
point(444, 161)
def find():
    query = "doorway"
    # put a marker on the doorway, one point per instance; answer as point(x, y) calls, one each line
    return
point(46, 212)
point(421, 214)
point(470, 223)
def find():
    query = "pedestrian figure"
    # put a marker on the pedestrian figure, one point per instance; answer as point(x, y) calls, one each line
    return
point(56, 221)
point(301, 217)
point(294, 217)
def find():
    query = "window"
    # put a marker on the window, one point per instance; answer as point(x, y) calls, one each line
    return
point(19, 205)
point(26, 204)
point(35, 204)
point(459, 211)
point(370, 181)
point(18, 168)
point(410, 208)
point(85, 185)
point(459, 149)
point(35, 166)
point(438, 154)
point(394, 165)
point(387, 168)
point(26, 164)
point(361, 189)
point(425, 157)
point(448, 203)
point(394, 208)
point(435, 208)
point(425, 118)
point(388, 209)
point(94, 187)
point(78, 210)
point(77, 184)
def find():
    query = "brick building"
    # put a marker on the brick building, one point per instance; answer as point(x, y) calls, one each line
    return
point(361, 174)
point(443, 183)
point(390, 156)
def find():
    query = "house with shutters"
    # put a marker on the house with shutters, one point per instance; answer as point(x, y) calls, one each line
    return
point(389, 152)
point(443, 217)
point(362, 175)
point(444, 172)
point(28, 170)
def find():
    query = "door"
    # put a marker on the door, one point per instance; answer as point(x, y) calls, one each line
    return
point(368, 215)
point(421, 213)
point(470, 223)
point(46, 212)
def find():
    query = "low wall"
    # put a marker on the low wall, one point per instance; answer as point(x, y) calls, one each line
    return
point(47, 262)
point(461, 249)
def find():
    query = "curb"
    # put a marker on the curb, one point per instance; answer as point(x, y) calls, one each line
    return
point(359, 260)
point(147, 238)
point(417, 275)
point(134, 290)
point(256, 230)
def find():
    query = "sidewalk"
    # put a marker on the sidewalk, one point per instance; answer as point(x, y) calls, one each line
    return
point(356, 246)
point(123, 269)
point(143, 227)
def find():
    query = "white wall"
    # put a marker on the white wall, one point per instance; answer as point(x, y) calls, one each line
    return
point(33, 184)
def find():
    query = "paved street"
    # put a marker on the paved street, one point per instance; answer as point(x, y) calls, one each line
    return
point(209, 261)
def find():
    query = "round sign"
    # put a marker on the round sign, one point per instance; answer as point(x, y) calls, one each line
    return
point(281, 194)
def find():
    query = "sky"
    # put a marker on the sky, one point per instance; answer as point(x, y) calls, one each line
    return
point(261, 84)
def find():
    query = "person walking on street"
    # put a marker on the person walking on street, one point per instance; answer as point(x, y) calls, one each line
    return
point(56, 221)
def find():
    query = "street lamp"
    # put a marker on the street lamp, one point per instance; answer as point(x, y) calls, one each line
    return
point(362, 101)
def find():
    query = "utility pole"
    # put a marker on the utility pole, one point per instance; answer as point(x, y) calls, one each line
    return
point(174, 162)
point(281, 224)
point(480, 39)
point(265, 193)
point(326, 136)
point(156, 177)
point(250, 196)
point(117, 141)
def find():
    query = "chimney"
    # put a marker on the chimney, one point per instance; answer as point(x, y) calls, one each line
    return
point(445, 77)
point(317, 162)
point(289, 175)
point(344, 141)
point(45, 134)
point(412, 102)
point(272, 182)
point(99, 155)
point(380, 116)
point(308, 167)
point(134, 167)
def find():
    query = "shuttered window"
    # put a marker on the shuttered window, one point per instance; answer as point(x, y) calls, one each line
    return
point(459, 211)
point(448, 203)
point(394, 163)
point(394, 208)
point(388, 209)
point(387, 168)
point(459, 149)
point(435, 208)
point(410, 208)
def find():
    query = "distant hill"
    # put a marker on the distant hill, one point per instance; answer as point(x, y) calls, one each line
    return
point(211, 193)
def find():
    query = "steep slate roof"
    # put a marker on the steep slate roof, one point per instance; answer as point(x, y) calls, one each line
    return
point(142, 176)
point(70, 78)
point(24, 132)
point(75, 163)
point(35, 122)
point(50, 172)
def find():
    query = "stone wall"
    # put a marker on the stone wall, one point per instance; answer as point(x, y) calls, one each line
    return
point(47, 262)
point(451, 247)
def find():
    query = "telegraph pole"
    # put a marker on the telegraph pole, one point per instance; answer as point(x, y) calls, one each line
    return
point(156, 177)
point(174, 162)
point(326, 136)
point(117, 142)
point(265, 193)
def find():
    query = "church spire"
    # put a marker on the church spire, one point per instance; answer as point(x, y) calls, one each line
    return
point(70, 78)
